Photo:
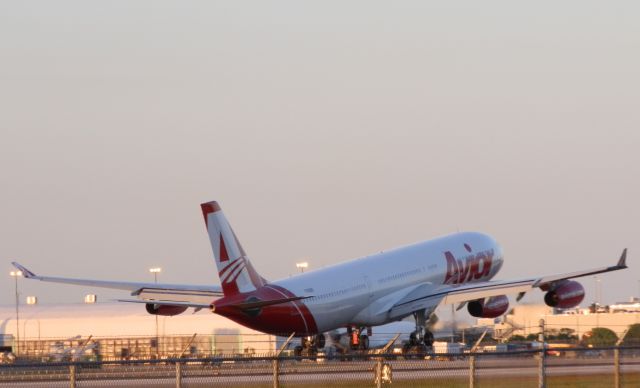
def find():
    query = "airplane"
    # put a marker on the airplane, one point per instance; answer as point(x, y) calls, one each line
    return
point(358, 294)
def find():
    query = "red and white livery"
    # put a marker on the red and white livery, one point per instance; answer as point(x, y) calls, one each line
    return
point(357, 294)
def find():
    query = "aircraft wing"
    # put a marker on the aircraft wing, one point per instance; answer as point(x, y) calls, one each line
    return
point(428, 297)
point(144, 291)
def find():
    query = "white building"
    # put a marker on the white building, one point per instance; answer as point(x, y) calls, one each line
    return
point(131, 322)
point(524, 320)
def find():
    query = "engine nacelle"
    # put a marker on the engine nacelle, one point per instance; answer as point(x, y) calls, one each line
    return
point(565, 295)
point(165, 309)
point(490, 308)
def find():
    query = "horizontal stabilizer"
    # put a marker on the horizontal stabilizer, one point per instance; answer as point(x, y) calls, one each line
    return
point(258, 303)
point(167, 303)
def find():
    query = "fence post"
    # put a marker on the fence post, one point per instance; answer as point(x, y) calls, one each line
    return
point(472, 371)
point(178, 374)
point(616, 367)
point(276, 361)
point(276, 373)
point(616, 360)
point(72, 376)
point(472, 360)
point(542, 378)
point(379, 373)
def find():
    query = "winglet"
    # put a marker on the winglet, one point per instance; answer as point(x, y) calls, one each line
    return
point(622, 263)
point(25, 272)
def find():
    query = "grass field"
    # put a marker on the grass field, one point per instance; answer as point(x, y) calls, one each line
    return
point(584, 381)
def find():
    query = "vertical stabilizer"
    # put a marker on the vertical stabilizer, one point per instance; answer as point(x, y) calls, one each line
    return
point(234, 268)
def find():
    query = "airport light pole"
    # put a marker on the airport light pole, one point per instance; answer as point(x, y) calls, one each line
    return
point(301, 266)
point(155, 271)
point(15, 275)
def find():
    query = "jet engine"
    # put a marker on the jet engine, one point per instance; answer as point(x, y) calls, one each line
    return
point(488, 308)
point(564, 295)
point(166, 310)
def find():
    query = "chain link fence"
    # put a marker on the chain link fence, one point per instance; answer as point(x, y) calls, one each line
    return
point(584, 367)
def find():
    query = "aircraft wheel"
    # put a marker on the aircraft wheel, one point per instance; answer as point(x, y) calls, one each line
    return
point(428, 338)
point(320, 341)
point(297, 351)
point(364, 342)
point(413, 339)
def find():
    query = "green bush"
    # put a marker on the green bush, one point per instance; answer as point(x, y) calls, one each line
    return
point(600, 336)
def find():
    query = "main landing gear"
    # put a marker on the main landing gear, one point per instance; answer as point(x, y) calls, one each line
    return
point(309, 345)
point(358, 341)
point(421, 339)
point(358, 338)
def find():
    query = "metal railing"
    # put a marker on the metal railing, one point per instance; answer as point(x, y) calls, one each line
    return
point(144, 347)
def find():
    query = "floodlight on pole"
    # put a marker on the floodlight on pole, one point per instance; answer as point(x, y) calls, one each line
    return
point(15, 275)
point(155, 271)
point(302, 266)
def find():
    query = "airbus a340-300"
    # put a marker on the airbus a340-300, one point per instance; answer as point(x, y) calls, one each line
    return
point(358, 294)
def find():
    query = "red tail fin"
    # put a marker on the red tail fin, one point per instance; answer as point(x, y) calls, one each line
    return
point(237, 275)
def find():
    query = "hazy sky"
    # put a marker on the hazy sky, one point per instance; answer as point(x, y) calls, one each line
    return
point(326, 130)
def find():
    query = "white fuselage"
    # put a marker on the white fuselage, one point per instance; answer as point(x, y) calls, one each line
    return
point(365, 291)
